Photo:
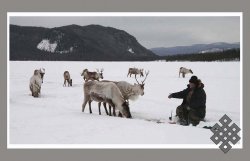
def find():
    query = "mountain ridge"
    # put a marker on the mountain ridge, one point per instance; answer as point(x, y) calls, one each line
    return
point(195, 48)
point(74, 42)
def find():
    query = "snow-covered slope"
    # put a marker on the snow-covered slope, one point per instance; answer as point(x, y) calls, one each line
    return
point(47, 46)
point(56, 118)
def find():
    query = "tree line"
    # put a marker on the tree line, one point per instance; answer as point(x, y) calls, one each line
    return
point(226, 55)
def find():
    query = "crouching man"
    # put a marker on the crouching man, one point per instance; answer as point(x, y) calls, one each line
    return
point(193, 108)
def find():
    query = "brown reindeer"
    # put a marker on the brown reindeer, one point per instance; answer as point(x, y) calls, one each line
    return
point(92, 75)
point(135, 71)
point(67, 78)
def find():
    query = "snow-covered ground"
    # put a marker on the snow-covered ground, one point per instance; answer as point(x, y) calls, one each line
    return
point(56, 118)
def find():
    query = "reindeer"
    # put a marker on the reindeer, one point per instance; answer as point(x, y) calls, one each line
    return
point(107, 92)
point(129, 91)
point(67, 78)
point(92, 75)
point(35, 83)
point(135, 71)
point(184, 71)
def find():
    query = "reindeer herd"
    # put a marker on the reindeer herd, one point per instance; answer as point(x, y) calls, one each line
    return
point(114, 93)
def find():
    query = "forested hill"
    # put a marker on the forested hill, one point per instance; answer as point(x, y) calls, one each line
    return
point(75, 43)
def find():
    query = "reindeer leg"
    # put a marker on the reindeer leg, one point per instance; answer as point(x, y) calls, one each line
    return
point(90, 111)
point(109, 110)
point(111, 104)
point(183, 75)
point(105, 107)
point(114, 111)
point(84, 104)
point(99, 106)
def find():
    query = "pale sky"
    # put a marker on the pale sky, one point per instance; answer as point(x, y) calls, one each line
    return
point(154, 31)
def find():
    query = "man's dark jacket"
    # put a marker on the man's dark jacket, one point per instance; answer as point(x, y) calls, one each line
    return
point(197, 101)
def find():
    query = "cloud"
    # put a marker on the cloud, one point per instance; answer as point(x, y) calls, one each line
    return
point(154, 31)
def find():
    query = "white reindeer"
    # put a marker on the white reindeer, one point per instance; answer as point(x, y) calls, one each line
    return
point(129, 91)
point(132, 91)
point(184, 71)
point(35, 83)
point(106, 91)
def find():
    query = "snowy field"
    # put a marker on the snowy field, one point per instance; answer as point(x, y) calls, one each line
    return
point(55, 118)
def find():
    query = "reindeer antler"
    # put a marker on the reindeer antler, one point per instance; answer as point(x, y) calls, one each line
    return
point(136, 80)
point(146, 73)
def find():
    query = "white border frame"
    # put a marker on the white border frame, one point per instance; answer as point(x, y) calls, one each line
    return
point(127, 14)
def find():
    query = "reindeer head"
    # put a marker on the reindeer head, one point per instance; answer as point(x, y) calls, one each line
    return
point(142, 84)
point(36, 72)
point(35, 94)
point(85, 70)
point(42, 70)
